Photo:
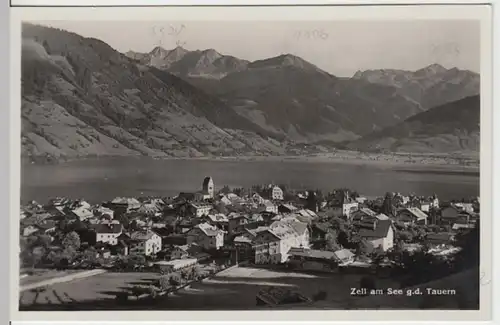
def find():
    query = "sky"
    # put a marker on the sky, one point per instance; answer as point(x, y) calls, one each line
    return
point(338, 47)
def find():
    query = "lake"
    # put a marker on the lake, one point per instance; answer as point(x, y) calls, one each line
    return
point(101, 180)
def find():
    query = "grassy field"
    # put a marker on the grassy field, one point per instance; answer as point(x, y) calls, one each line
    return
point(234, 288)
point(98, 287)
point(237, 288)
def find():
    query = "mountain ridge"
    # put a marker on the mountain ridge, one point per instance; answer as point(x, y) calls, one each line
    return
point(80, 97)
point(450, 128)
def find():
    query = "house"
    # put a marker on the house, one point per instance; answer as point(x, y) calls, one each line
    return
point(272, 244)
point(467, 207)
point(312, 260)
point(457, 227)
point(185, 251)
point(344, 256)
point(219, 220)
point(268, 206)
point(256, 198)
point(362, 214)
point(349, 207)
point(107, 232)
point(306, 215)
point(277, 193)
point(198, 209)
point(424, 206)
point(412, 216)
point(286, 208)
point(176, 265)
point(30, 230)
point(319, 231)
point(149, 209)
point(207, 236)
point(434, 202)
point(46, 226)
point(400, 200)
point(378, 234)
point(145, 242)
point(82, 213)
point(451, 214)
point(235, 221)
point(440, 238)
point(104, 212)
point(127, 204)
point(225, 200)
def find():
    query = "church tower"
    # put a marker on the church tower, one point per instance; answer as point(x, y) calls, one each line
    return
point(209, 187)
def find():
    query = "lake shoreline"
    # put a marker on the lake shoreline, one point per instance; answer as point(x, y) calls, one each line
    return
point(406, 161)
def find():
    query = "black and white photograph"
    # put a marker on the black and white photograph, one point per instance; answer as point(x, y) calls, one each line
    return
point(225, 165)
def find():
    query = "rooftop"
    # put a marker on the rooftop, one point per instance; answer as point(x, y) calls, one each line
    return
point(380, 229)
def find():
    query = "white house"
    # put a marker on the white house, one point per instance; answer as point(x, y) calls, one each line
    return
point(107, 232)
point(277, 193)
point(273, 244)
point(206, 236)
point(268, 206)
point(225, 200)
point(145, 242)
point(378, 233)
point(83, 213)
point(200, 210)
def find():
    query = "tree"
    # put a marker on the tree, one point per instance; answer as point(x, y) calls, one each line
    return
point(175, 279)
point(123, 219)
point(343, 239)
point(37, 255)
point(468, 256)
point(331, 241)
point(225, 190)
point(72, 239)
point(134, 260)
point(164, 282)
point(44, 240)
point(405, 236)
point(90, 254)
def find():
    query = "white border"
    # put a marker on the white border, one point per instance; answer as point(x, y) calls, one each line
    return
point(66, 3)
point(482, 13)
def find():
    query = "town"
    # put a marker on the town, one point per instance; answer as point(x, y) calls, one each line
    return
point(194, 236)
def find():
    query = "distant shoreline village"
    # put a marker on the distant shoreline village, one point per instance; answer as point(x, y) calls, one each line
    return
point(196, 235)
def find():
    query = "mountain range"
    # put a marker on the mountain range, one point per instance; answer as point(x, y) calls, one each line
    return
point(291, 97)
point(80, 97)
point(458, 131)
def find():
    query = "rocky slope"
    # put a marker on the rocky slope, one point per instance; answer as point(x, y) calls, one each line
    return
point(430, 87)
point(80, 97)
point(197, 64)
point(295, 100)
point(450, 128)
